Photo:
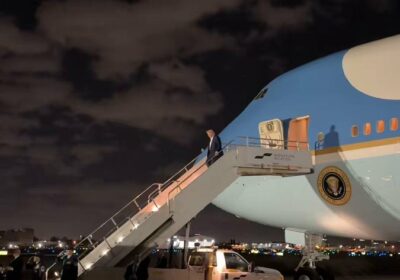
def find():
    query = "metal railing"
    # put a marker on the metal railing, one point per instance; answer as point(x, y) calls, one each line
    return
point(275, 143)
point(149, 195)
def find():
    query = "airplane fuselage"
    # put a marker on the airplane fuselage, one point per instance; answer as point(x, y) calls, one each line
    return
point(352, 102)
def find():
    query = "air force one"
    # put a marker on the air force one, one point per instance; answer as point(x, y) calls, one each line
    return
point(330, 129)
point(347, 106)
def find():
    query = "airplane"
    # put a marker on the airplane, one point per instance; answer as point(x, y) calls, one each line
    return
point(326, 161)
point(347, 107)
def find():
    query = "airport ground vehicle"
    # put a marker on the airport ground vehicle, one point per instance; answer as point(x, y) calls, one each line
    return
point(215, 264)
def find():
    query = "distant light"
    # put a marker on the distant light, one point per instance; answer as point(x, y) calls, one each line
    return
point(88, 266)
point(56, 274)
point(60, 245)
point(40, 245)
point(120, 239)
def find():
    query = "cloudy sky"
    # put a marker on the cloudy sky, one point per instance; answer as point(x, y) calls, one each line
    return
point(100, 98)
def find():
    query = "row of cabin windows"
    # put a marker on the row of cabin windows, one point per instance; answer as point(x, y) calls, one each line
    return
point(380, 127)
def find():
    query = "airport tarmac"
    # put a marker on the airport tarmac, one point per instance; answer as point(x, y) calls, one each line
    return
point(376, 277)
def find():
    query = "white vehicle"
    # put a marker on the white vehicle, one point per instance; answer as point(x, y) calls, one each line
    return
point(215, 264)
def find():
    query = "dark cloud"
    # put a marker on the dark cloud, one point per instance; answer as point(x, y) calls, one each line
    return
point(77, 68)
point(24, 12)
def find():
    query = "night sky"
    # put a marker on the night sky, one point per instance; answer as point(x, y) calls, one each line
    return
point(101, 98)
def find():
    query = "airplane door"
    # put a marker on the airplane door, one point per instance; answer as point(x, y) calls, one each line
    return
point(271, 134)
point(298, 133)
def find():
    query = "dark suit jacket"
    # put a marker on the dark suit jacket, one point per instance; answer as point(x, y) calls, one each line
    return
point(70, 268)
point(17, 265)
point(214, 150)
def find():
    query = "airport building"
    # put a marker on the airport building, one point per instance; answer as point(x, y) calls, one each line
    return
point(16, 237)
point(194, 241)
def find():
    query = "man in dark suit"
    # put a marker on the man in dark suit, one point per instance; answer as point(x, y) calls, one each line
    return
point(214, 147)
point(70, 266)
point(14, 270)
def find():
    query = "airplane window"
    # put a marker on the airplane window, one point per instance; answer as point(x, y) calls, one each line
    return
point(354, 131)
point(367, 128)
point(261, 94)
point(380, 126)
point(394, 124)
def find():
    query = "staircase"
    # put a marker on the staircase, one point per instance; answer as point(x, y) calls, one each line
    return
point(163, 209)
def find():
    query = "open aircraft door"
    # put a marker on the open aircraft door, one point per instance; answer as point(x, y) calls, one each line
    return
point(298, 134)
point(271, 134)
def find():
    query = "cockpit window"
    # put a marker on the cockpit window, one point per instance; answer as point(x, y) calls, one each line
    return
point(261, 94)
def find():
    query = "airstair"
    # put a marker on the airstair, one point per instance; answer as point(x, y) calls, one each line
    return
point(164, 208)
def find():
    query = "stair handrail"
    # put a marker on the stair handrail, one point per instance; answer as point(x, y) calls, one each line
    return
point(160, 187)
point(178, 186)
point(135, 202)
point(298, 144)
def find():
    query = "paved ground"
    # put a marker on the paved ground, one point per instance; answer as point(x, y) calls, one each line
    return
point(372, 277)
point(376, 277)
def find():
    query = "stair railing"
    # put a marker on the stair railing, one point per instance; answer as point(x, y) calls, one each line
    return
point(91, 241)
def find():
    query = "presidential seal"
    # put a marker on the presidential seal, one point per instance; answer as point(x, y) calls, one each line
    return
point(334, 185)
